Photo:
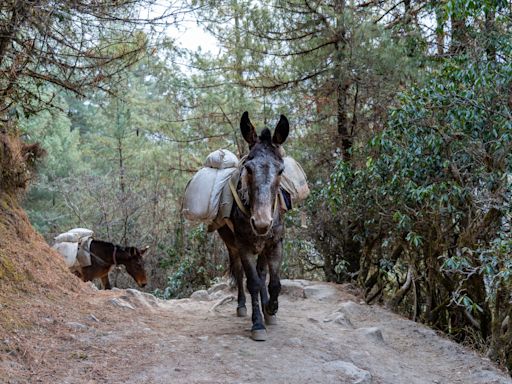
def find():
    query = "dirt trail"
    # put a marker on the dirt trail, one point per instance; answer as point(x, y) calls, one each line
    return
point(324, 335)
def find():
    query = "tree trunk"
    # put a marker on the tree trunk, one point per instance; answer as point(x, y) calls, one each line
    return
point(459, 35)
point(490, 49)
point(346, 141)
point(440, 35)
point(342, 82)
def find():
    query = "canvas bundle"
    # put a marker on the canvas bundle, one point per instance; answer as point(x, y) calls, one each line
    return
point(202, 194)
point(73, 245)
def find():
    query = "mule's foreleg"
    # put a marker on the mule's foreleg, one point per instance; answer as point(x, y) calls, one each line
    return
point(106, 282)
point(270, 318)
point(274, 286)
point(235, 267)
point(254, 285)
point(261, 268)
point(237, 272)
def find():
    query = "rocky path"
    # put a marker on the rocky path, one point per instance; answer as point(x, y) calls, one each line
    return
point(324, 335)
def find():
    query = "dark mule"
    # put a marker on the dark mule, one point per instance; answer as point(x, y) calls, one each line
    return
point(257, 240)
point(105, 255)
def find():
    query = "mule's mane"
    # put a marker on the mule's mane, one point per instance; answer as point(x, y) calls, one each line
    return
point(264, 145)
point(243, 191)
point(266, 136)
point(101, 242)
point(119, 247)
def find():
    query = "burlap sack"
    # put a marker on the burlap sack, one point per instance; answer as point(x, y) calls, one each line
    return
point(294, 180)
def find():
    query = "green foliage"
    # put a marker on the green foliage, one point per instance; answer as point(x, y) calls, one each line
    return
point(106, 168)
point(81, 47)
point(53, 130)
point(202, 260)
point(301, 259)
point(119, 165)
point(474, 8)
point(432, 191)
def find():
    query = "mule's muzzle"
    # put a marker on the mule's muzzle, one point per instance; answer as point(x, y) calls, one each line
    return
point(261, 227)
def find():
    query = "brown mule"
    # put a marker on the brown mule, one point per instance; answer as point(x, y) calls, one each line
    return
point(105, 255)
point(256, 242)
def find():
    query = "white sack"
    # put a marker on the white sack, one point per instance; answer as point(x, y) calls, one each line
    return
point(221, 159)
point(82, 232)
point(294, 180)
point(202, 194)
point(68, 251)
point(83, 255)
point(67, 237)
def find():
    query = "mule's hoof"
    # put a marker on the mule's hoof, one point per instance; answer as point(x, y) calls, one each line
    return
point(259, 335)
point(270, 319)
point(241, 311)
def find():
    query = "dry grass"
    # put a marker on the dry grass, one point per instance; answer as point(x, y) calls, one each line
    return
point(17, 162)
point(33, 278)
point(34, 283)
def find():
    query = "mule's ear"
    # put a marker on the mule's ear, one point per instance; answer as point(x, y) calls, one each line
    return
point(281, 131)
point(248, 131)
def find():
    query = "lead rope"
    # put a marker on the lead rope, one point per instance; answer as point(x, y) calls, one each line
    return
point(117, 268)
point(114, 256)
point(237, 199)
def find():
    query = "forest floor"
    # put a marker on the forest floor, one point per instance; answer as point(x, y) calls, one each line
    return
point(324, 335)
